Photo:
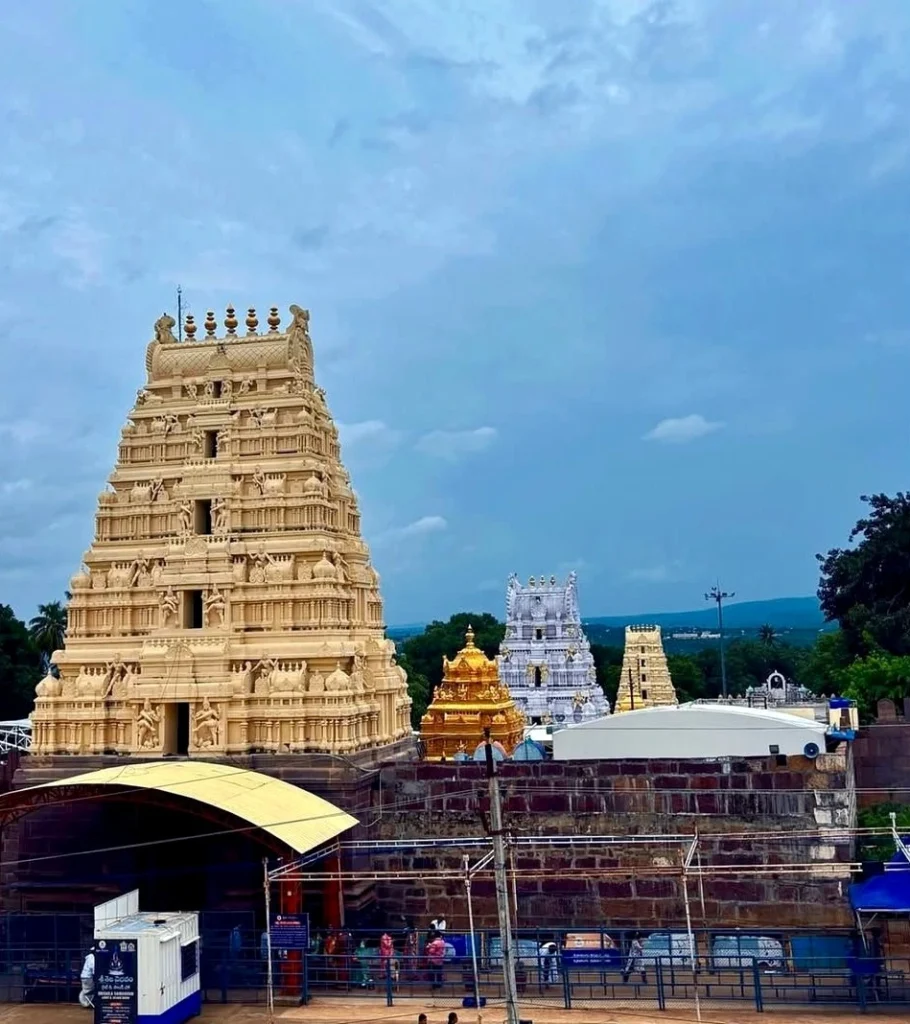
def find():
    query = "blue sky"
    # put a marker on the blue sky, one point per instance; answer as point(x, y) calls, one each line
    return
point(619, 286)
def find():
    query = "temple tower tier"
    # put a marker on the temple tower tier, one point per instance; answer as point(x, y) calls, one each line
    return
point(227, 603)
point(469, 700)
point(645, 679)
point(545, 659)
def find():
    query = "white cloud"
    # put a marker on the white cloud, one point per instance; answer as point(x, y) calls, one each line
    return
point(452, 444)
point(419, 528)
point(426, 524)
point(21, 431)
point(15, 486)
point(682, 429)
point(367, 431)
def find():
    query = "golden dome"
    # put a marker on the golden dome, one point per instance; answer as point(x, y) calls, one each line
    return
point(468, 700)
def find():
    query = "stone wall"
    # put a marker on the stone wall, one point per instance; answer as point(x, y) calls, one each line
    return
point(881, 755)
point(595, 884)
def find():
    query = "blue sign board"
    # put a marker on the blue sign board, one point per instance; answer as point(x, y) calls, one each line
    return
point(591, 957)
point(291, 931)
point(116, 994)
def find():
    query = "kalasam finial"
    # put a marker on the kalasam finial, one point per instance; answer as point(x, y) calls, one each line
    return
point(274, 319)
point(230, 321)
point(252, 321)
point(211, 324)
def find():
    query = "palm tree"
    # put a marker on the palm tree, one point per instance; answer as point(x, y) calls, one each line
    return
point(47, 629)
point(767, 635)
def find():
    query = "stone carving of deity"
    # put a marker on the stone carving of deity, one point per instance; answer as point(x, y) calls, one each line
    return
point(115, 677)
point(261, 561)
point(206, 725)
point(341, 566)
point(223, 440)
point(259, 480)
point(139, 571)
point(147, 723)
point(185, 518)
point(209, 389)
point(245, 683)
point(219, 515)
point(317, 683)
point(169, 605)
point(246, 385)
point(264, 671)
point(192, 390)
point(227, 388)
point(156, 487)
point(213, 606)
point(164, 333)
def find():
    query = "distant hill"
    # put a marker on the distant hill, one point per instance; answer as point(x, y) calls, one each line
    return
point(781, 612)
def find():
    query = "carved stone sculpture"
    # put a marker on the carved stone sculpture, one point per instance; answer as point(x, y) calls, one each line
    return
point(147, 723)
point(164, 333)
point(206, 723)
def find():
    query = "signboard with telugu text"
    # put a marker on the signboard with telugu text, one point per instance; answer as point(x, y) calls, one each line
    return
point(116, 995)
point(291, 931)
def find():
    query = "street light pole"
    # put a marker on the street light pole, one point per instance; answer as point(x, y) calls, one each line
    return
point(718, 596)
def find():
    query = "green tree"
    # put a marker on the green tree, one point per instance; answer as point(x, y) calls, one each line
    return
point(424, 653)
point(821, 664)
point(20, 666)
point(607, 665)
point(688, 678)
point(47, 629)
point(874, 678)
point(767, 634)
point(866, 587)
point(419, 690)
point(881, 848)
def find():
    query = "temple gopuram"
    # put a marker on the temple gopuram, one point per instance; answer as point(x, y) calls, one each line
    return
point(469, 700)
point(227, 604)
point(645, 678)
point(545, 659)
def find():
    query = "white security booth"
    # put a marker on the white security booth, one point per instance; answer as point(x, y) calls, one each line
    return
point(146, 964)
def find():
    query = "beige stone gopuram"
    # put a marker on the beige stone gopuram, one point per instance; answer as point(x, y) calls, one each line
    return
point(645, 680)
point(228, 603)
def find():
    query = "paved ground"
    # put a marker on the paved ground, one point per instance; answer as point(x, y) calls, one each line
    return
point(359, 1011)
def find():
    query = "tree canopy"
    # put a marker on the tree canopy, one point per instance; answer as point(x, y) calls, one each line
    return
point(20, 666)
point(47, 629)
point(866, 587)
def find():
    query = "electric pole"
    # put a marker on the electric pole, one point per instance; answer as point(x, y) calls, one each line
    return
point(718, 596)
point(502, 889)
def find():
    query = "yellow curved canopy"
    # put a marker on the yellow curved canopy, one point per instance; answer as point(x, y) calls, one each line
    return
point(297, 818)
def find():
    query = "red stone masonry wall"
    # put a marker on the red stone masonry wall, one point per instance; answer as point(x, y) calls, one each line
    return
point(595, 884)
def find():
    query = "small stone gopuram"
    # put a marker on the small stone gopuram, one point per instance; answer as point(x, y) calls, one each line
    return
point(645, 679)
point(227, 604)
point(469, 700)
point(545, 659)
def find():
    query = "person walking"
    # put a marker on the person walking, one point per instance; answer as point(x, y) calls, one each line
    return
point(87, 977)
point(635, 964)
point(549, 972)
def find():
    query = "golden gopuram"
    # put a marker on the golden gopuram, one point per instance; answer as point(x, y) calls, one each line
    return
point(227, 603)
point(469, 700)
point(645, 679)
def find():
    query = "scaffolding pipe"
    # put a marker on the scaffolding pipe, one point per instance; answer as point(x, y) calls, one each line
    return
point(270, 985)
point(467, 886)
point(502, 889)
point(685, 883)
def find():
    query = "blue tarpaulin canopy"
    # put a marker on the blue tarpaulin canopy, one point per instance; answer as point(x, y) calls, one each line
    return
point(888, 893)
